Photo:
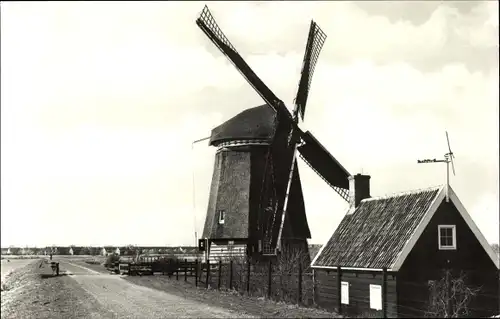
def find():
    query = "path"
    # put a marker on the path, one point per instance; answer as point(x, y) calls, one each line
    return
point(122, 299)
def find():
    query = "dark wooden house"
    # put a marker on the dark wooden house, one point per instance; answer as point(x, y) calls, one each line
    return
point(392, 249)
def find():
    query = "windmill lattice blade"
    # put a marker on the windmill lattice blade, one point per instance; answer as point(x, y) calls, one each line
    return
point(448, 140)
point(452, 165)
point(325, 165)
point(209, 26)
point(451, 153)
point(315, 42)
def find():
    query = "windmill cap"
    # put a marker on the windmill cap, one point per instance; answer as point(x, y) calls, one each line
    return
point(253, 123)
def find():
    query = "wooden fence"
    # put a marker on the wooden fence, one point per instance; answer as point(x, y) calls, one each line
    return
point(152, 265)
point(265, 279)
point(290, 284)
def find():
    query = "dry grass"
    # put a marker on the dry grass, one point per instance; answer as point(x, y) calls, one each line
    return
point(78, 257)
point(28, 295)
point(231, 300)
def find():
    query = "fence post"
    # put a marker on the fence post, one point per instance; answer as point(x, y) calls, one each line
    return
point(231, 275)
point(248, 276)
point(314, 286)
point(177, 271)
point(208, 273)
point(196, 273)
point(185, 270)
point(384, 292)
point(299, 293)
point(270, 278)
point(220, 271)
point(339, 289)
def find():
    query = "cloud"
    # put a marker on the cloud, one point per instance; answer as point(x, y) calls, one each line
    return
point(101, 102)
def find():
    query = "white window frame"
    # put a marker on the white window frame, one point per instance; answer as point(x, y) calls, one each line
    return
point(222, 215)
point(375, 303)
point(344, 292)
point(453, 237)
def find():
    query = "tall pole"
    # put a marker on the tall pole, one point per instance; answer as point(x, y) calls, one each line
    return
point(447, 178)
point(194, 187)
point(194, 195)
point(290, 177)
point(285, 205)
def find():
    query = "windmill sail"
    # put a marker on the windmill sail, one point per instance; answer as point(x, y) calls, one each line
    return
point(325, 165)
point(315, 42)
point(209, 26)
point(314, 45)
point(282, 142)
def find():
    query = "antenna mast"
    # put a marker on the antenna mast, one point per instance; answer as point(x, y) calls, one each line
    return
point(448, 158)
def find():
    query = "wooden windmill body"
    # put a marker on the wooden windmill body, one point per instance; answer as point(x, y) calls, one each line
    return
point(256, 206)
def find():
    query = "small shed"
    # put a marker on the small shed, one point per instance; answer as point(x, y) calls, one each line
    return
point(388, 252)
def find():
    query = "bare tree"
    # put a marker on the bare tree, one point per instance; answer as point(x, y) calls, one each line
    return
point(286, 271)
point(450, 297)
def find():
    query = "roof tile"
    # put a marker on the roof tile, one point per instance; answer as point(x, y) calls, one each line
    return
point(374, 235)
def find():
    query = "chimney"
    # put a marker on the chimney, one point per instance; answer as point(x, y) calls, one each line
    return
point(359, 189)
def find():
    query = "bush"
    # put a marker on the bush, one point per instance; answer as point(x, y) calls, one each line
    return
point(167, 264)
point(111, 260)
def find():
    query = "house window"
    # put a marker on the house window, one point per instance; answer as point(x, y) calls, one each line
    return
point(221, 217)
point(376, 297)
point(447, 237)
point(344, 293)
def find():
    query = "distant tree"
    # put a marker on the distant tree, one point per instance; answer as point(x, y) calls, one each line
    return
point(27, 251)
point(76, 249)
point(131, 250)
point(93, 251)
point(63, 250)
point(53, 250)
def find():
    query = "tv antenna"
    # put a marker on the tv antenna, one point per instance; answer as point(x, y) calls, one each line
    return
point(448, 158)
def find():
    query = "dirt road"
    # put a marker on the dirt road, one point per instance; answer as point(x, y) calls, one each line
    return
point(89, 291)
point(80, 292)
point(122, 299)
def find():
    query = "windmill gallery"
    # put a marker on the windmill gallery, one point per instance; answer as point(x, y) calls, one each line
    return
point(256, 206)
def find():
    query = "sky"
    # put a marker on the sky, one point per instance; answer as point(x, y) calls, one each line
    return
point(101, 102)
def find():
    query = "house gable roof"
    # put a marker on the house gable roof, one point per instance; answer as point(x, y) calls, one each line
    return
point(381, 232)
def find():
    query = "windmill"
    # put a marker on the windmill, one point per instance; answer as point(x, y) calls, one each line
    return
point(256, 198)
point(448, 158)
